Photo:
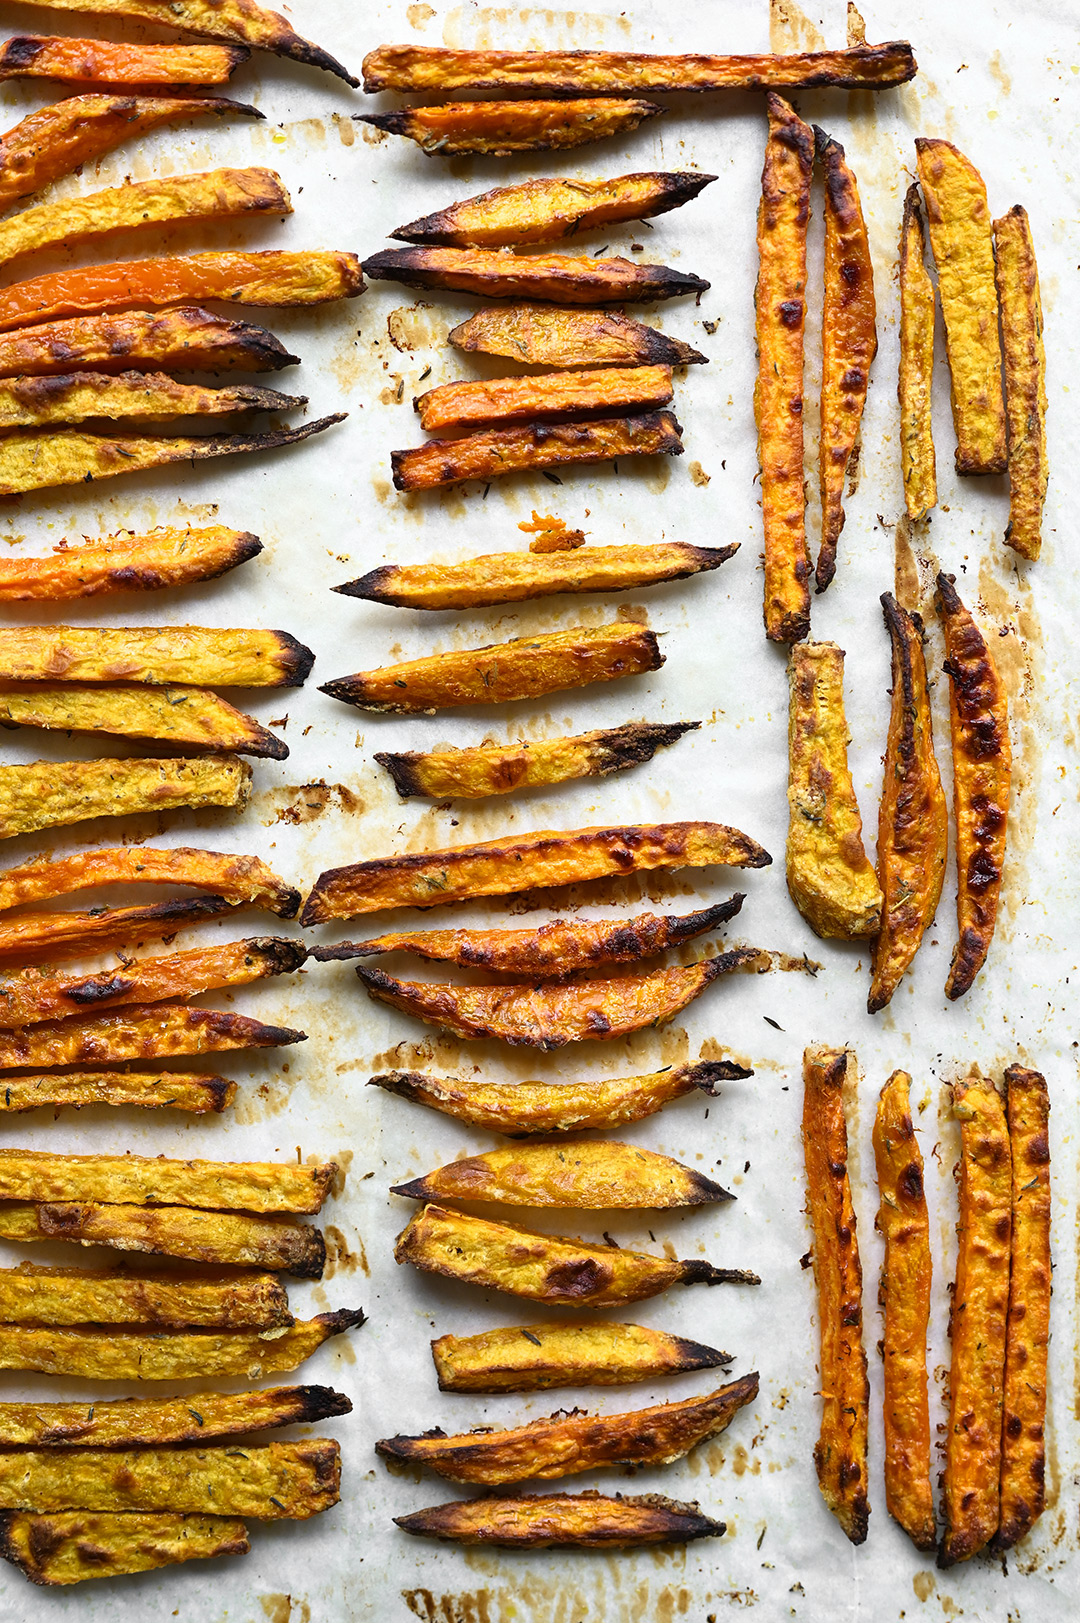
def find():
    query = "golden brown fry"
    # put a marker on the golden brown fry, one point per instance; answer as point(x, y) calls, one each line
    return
point(151, 1422)
point(1023, 1444)
point(916, 365)
point(780, 303)
point(502, 672)
point(46, 938)
point(959, 222)
point(913, 819)
point(236, 879)
point(596, 1174)
point(542, 335)
point(234, 658)
point(904, 1293)
point(64, 1296)
point(253, 1186)
point(1025, 378)
point(519, 1109)
point(48, 794)
point(848, 341)
point(148, 1090)
point(840, 1452)
point(75, 1545)
point(138, 1032)
point(500, 128)
point(982, 781)
point(473, 402)
point(549, 1268)
point(151, 397)
point(185, 340)
point(537, 1357)
point(522, 862)
point(977, 1324)
point(528, 447)
point(127, 563)
point(556, 278)
point(98, 61)
point(581, 1521)
point(179, 716)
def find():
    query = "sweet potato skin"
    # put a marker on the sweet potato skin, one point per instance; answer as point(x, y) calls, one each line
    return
point(916, 365)
point(56, 937)
point(140, 1031)
point(179, 716)
point(158, 654)
point(527, 447)
point(555, 278)
point(591, 1174)
point(551, 395)
point(37, 402)
point(48, 794)
point(582, 1521)
point(71, 1546)
point(253, 1186)
point(97, 61)
point(500, 128)
point(148, 1422)
point(1025, 378)
point(67, 1296)
point(538, 1357)
point(543, 335)
point(184, 340)
point(235, 878)
point(151, 1090)
point(127, 563)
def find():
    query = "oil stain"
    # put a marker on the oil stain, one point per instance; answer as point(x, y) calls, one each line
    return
point(790, 29)
point(339, 1258)
point(464, 1608)
point(304, 802)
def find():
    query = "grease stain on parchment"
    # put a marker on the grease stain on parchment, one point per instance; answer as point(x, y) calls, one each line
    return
point(283, 1609)
point(525, 28)
point(790, 29)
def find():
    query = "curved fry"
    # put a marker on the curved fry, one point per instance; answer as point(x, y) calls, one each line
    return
point(500, 128)
point(50, 938)
point(235, 879)
point(587, 1173)
point(580, 1521)
point(537, 1357)
point(127, 563)
point(158, 1031)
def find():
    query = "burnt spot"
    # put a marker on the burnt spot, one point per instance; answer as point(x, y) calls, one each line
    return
point(577, 1280)
point(982, 872)
point(1038, 1149)
point(790, 312)
point(910, 1182)
point(22, 51)
point(99, 988)
point(1003, 1227)
point(850, 273)
point(1013, 1426)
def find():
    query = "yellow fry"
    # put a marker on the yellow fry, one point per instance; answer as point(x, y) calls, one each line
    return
point(72, 1546)
point(48, 794)
point(156, 654)
point(127, 563)
point(146, 1090)
point(594, 1174)
point(1025, 378)
point(537, 1357)
point(150, 1422)
point(176, 716)
point(149, 397)
point(253, 1186)
point(916, 365)
point(67, 1296)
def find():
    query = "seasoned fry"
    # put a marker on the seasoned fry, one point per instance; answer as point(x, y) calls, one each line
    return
point(148, 1090)
point(580, 1521)
point(151, 397)
point(61, 1296)
point(253, 1186)
point(829, 875)
point(982, 780)
point(556, 278)
point(840, 1452)
point(1023, 1446)
point(127, 563)
point(542, 335)
point(235, 879)
point(548, 1268)
point(151, 1423)
point(99, 61)
point(565, 1446)
point(28, 998)
point(138, 1032)
point(917, 296)
point(519, 1109)
point(590, 1173)
point(500, 128)
point(234, 658)
point(500, 769)
point(959, 222)
point(502, 672)
point(1025, 378)
point(75, 1545)
point(185, 340)
point(270, 277)
point(537, 1357)
point(46, 938)
point(553, 394)
point(555, 1013)
point(913, 819)
point(47, 794)
point(179, 716)
point(848, 341)
point(529, 447)
point(978, 1323)
point(522, 862)
point(904, 1292)
point(780, 303)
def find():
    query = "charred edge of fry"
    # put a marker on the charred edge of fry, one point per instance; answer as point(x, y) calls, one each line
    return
point(670, 190)
point(280, 955)
point(238, 1030)
point(410, 267)
point(653, 348)
point(537, 445)
point(144, 922)
point(61, 344)
point(525, 130)
point(573, 1521)
point(698, 1190)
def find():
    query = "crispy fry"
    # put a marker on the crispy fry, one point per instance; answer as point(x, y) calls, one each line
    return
point(47, 938)
point(500, 128)
point(236, 879)
point(151, 1422)
point(780, 303)
point(556, 278)
point(550, 1268)
point(982, 780)
point(99, 61)
point(127, 563)
point(542, 335)
point(840, 1452)
point(916, 365)
point(138, 1032)
point(149, 397)
point(148, 1090)
point(848, 341)
point(269, 277)
point(1023, 1447)
point(234, 658)
point(522, 862)
point(552, 395)
point(179, 716)
point(595, 1174)
point(528, 447)
point(75, 1545)
point(48, 794)
point(537, 1357)
point(253, 1186)
point(185, 340)
point(959, 222)
point(829, 875)
point(913, 819)
point(581, 1521)
point(500, 769)
point(64, 1296)
point(565, 1446)
point(977, 1324)
point(904, 1292)
point(502, 672)
point(519, 1109)
point(1025, 378)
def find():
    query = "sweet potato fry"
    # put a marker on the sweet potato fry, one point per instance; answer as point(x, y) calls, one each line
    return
point(913, 819)
point(840, 1452)
point(75, 1545)
point(567, 1445)
point(500, 769)
point(138, 1032)
point(47, 794)
point(916, 365)
point(107, 62)
point(179, 716)
point(219, 1239)
point(127, 563)
point(269, 277)
point(252, 1186)
point(829, 875)
point(959, 222)
point(32, 997)
point(519, 1109)
point(63, 1296)
point(848, 341)
point(535, 399)
point(1023, 1446)
point(780, 303)
point(1025, 378)
point(548, 1268)
point(610, 73)
point(904, 1292)
point(530, 447)
point(542, 335)
point(555, 278)
point(235, 879)
point(580, 1521)
point(537, 1357)
point(150, 398)
point(47, 938)
point(234, 658)
point(978, 1324)
point(596, 1174)
point(502, 672)
point(982, 780)
point(185, 340)
point(500, 128)
point(152, 1423)
point(523, 862)
point(148, 1090)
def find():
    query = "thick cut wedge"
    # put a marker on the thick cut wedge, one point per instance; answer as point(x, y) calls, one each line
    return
point(552, 395)
point(74, 1545)
point(108, 62)
point(47, 794)
point(184, 340)
point(139, 1032)
point(531, 447)
point(917, 459)
point(587, 1173)
point(498, 129)
point(65, 1296)
point(580, 1521)
point(149, 397)
point(523, 862)
point(537, 1357)
point(556, 278)
point(234, 879)
point(50, 938)
point(1025, 378)
point(126, 563)
point(182, 717)
point(548, 1268)
point(146, 1090)
point(541, 335)
point(165, 654)
point(254, 1186)
point(151, 1423)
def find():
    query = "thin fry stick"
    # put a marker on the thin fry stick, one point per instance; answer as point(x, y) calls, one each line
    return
point(1017, 277)
point(916, 365)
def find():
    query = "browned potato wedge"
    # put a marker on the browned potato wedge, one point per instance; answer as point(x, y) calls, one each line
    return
point(581, 1521)
point(127, 563)
point(565, 1446)
point(1025, 378)
point(138, 1032)
point(542, 335)
point(147, 1090)
point(151, 397)
point(107, 62)
point(62, 1296)
point(530, 447)
point(48, 794)
point(554, 394)
point(500, 128)
point(185, 340)
point(253, 1186)
point(74, 1545)
point(45, 938)
point(595, 1174)
point(178, 716)
point(239, 658)
point(150, 1423)
point(235, 879)
point(555, 278)
point(536, 1357)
